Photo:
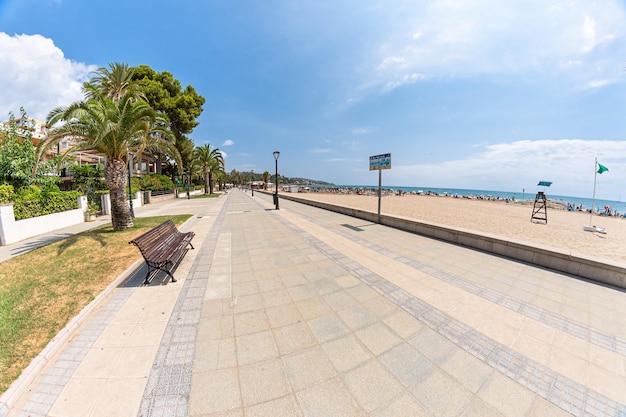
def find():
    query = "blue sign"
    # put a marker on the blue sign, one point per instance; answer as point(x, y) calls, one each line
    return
point(380, 162)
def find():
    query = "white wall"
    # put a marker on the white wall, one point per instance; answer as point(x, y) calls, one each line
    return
point(12, 230)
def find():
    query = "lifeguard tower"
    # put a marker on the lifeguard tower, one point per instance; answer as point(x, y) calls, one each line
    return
point(540, 208)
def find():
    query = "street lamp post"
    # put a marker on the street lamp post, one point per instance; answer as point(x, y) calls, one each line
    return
point(276, 155)
point(252, 183)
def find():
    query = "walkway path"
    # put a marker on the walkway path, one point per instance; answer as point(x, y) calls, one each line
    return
point(303, 312)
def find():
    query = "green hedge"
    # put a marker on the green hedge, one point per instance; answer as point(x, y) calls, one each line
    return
point(33, 202)
point(6, 194)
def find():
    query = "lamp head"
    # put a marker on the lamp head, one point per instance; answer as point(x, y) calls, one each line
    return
point(276, 155)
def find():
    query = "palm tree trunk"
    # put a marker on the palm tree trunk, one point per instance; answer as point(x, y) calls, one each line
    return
point(210, 182)
point(115, 171)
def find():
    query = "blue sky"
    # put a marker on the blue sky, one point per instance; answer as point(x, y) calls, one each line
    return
point(493, 95)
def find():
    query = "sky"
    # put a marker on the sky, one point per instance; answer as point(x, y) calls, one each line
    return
point(474, 94)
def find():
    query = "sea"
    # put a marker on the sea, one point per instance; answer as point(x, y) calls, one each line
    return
point(618, 207)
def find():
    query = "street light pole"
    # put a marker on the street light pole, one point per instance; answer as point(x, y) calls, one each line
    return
point(252, 183)
point(276, 155)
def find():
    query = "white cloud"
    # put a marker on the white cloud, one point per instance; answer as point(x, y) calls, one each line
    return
point(451, 39)
point(228, 142)
point(321, 150)
point(360, 130)
point(224, 154)
point(37, 76)
point(568, 163)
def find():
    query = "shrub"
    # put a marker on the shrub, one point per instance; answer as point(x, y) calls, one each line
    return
point(6, 193)
point(33, 202)
point(156, 182)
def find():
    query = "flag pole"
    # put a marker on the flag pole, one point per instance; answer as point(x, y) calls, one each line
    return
point(593, 199)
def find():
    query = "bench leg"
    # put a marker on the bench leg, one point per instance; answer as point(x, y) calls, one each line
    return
point(153, 271)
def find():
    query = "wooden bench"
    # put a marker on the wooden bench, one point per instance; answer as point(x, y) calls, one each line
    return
point(162, 248)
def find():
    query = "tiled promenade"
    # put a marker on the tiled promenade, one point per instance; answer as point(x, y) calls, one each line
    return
point(304, 312)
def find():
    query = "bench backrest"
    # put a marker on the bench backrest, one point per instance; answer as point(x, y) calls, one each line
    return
point(156, 238)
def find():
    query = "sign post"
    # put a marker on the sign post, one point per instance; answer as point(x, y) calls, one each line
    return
point(380, 162)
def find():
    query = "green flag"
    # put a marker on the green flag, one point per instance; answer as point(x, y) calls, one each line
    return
point(602, 168)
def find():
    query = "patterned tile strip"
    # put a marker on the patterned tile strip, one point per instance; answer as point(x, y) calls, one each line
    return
point(52, 383)
point(47, 391)
point(169, 384)
point(554, 320)
point(557, 389)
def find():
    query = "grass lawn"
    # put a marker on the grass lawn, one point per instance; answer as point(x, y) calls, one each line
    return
point(42, 290)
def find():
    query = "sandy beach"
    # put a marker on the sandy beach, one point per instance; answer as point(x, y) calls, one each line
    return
point(564, 229)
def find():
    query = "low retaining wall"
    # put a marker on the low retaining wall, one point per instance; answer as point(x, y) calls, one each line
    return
point(12, 230)
point(600, 270)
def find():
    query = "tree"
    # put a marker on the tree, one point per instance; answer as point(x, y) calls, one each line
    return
point(266, 177)
point(116, 128)
point(18, 159)
point(211, 161)
point(182, 107)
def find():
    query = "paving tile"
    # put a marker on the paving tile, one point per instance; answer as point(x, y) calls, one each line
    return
point(441, 395)
point(250, 322)
point(286, 406)
point(272, 284)
point(479, 408)
point(245, 288)
point(88, 390)
point(362, 379)
point(543, 408)
point(505, 395)
point(206, 357)
point(469, 371)
point(294, 337)
point(313, 308)
point(403, 406)
point(214, 392)
point(378, 338)
point(308, 367)
point(324, 286)
point(134, 362)
point(227, 355)
point(293, 280)
point(248, 303)
point(362, 293)
point(357, 317)
point(119, 398)
point(380, 306)
point(432, 345)
point(302, 292)
point(339, 300)
point(533, 348)
point(276, 297)
point(327, 328)
point(263, 381)
point(347, 281)
point(283, 315)
point(406, 364)
point(346, 352)
point(256, 347)
point(403, 324)
point(330, 398)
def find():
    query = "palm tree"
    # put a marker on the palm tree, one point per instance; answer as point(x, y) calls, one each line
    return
point(117, 128)
point(266, 177)
point(212, 162)
point(114, 83)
